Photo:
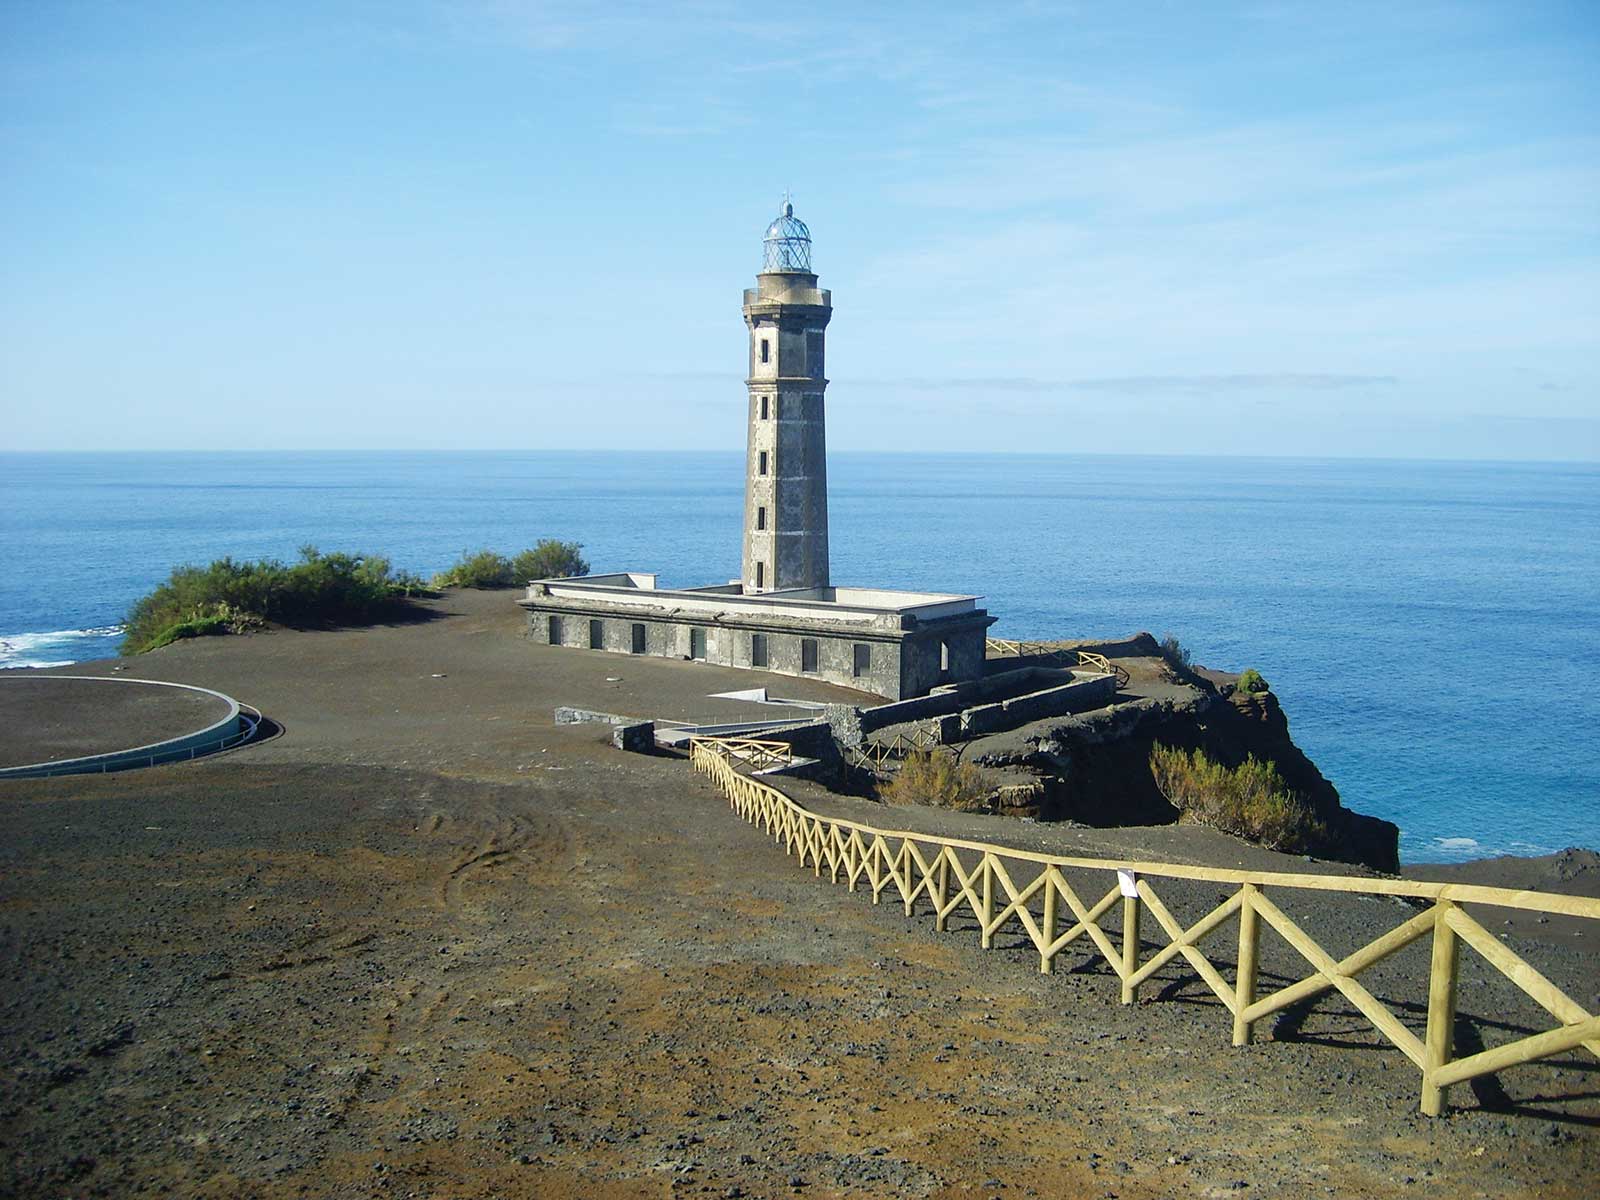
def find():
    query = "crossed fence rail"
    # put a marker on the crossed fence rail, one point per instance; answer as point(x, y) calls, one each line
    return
point(1088, 659)
point(927, 866)
point(874, 755)
point(756, 753)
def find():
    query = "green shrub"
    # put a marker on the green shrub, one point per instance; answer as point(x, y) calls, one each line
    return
point(1251, 682)
point(1176, 654)
point(199, 627)
point(549, 559)
point(927, 777)
point(1250, 800)
point(233, 597)
point(478, 569)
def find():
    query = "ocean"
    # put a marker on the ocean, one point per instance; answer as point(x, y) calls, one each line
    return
point(1431, 628)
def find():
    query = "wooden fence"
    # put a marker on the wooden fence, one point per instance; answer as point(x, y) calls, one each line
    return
point(874, 755)
point(755, 753)
point(1086, 659)
point(948, 873)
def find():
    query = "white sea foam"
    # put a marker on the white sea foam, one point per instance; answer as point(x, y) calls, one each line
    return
point(1456, 843)
point(47, 649)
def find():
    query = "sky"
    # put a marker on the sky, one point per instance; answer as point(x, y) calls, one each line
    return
point(1247, 229)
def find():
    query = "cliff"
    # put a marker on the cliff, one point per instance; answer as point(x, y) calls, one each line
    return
point(1094, 767)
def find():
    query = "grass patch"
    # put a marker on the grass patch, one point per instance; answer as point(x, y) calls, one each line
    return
point(935, 779)
point(233, 597)
point(1250, 800)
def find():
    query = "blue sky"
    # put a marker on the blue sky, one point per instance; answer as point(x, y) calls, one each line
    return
point(1323, 229)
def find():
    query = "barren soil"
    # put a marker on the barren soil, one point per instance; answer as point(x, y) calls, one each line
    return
point(45, 718)
point(426, 943)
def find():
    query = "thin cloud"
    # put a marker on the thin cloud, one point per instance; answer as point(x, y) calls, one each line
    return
point(1143, 384)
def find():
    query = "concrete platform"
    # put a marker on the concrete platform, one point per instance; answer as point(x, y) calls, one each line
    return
point(54, 719)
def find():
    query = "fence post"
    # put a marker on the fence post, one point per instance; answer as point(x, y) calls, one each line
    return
point(1130, 932)
point(1244, 993)
point(1440, 1042)
point(988, 900)
point(941, 920)
point(906, 862)
point(1047, 960)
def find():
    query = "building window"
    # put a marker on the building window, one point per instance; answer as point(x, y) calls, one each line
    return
point(808, 654)
point(761, 518)
point(761, 576)
point(814, 354)
point(944, 658)
point(761, 463)
point(638, 638)
point(863, 657)
point(763, 408)
point(764, 350)
point(555, 631)
point(697, 644)
point(597, 635)
point(758, 647)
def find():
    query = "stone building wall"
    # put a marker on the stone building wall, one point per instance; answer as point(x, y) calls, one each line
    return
point(734, 647)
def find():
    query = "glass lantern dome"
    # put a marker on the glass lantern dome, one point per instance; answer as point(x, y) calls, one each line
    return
point(788, 243)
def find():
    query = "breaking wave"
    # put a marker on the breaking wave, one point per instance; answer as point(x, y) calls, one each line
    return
point(58, 648)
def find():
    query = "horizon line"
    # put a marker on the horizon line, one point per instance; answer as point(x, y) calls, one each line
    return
point(611, 450)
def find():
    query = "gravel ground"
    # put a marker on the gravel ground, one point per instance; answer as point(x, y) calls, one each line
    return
point(428, 944)
point(44, 718)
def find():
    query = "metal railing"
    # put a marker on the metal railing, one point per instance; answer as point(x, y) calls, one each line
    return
point(949, 872)
point(249, 722)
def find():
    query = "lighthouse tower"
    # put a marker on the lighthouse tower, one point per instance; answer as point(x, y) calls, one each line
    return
point(786, 477)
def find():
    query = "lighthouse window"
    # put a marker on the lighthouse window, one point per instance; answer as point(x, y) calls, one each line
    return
point(763, 408)
point(761, 520)
point(808, 654)
point(814, 354)
point(765, 349)
point(761, 464)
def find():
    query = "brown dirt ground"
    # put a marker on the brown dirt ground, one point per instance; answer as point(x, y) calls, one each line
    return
point(429, 944)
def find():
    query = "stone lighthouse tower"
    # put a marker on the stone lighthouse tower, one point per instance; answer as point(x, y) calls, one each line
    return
point(786, 477)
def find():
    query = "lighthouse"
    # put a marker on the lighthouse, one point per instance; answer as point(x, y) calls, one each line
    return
point(786, 472)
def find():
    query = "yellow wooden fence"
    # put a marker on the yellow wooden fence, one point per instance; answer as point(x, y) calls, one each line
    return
point(1086, 659)
point(756, 753)
point(874, 755)
point(949, 873)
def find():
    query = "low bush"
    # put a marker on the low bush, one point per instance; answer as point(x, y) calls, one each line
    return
point(477, 569)
point(549, 559)
point(231, 597)
point(928, 777)
point(1176, 654)
point(1251, 682)
point(1250, 800)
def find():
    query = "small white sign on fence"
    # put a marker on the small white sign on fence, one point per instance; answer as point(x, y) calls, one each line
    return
point(1129, 883)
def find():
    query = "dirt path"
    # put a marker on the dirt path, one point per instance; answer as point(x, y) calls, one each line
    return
point(428, 944)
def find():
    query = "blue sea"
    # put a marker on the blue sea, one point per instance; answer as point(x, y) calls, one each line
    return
point(1432, 629)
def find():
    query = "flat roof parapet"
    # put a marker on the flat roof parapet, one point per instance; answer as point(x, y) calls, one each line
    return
point(844, 604)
